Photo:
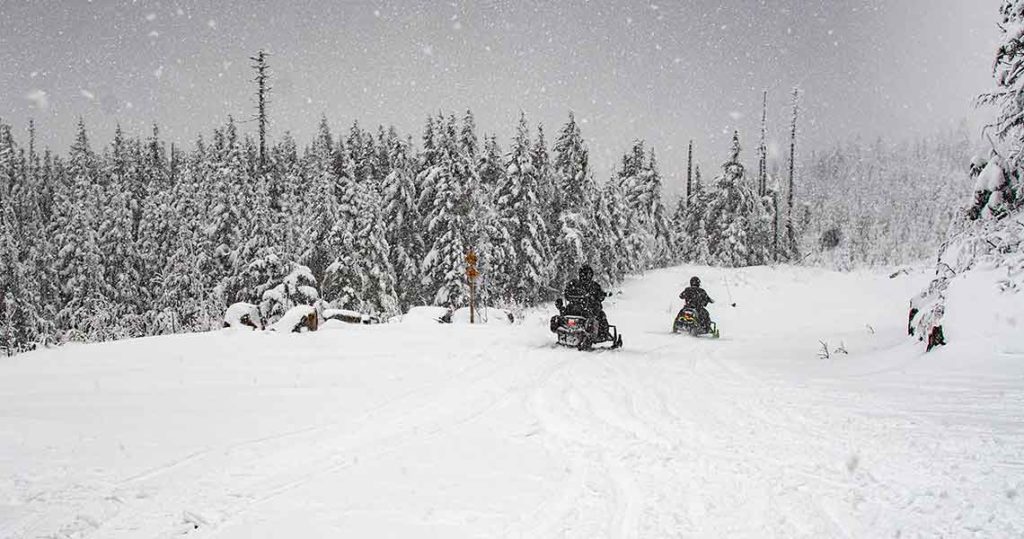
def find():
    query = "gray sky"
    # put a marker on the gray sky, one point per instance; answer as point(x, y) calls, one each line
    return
point(664, 71)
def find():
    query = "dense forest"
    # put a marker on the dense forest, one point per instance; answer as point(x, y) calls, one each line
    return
point(139, 237)
point(882, 203)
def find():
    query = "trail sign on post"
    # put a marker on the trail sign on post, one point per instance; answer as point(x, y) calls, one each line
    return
point(471, 275)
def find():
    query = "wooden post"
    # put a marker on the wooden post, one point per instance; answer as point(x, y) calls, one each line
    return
point(471, 275)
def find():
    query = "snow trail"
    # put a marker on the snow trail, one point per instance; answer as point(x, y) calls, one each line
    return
point(490, 431)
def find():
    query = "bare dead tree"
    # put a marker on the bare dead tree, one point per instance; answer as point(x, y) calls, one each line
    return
point(790, 233)
point(689, 173)
point(762, 149)
point(262, 89)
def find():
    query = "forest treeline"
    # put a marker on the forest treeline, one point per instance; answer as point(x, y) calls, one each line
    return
point(138, 237)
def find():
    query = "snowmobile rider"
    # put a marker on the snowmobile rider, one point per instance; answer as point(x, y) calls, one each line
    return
point(698, 299)
point(592, 295)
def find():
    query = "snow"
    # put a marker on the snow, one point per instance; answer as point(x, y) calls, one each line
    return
point(484, 315)
point(451, 430)
point(978, 312)
point(348, 316)
point(991, 178)
point(331, 313)
point(424, 314)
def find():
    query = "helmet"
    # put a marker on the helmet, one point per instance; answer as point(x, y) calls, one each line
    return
point(586, 272)
point(695, 281)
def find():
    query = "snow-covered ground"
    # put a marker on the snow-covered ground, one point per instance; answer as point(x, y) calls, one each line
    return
point(423, 430)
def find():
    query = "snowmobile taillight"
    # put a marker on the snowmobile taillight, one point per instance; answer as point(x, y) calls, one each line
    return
point(571, 322)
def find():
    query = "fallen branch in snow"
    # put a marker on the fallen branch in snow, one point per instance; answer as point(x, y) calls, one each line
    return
point(825, 353)
point(902, 271)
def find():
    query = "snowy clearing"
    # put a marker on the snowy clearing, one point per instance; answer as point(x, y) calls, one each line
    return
point(442, 430)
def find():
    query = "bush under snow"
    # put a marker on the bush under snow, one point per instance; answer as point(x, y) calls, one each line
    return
point(298, 319)
point(297, 288)
point(242, 314)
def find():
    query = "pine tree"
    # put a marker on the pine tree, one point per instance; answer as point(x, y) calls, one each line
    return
point(526, 271)
point(640, 183)
point(404, 223)
point(492, 242)
point(224, 170)
point(540, 159)
point(116, 233)
point(738, 232)
point(575, 237)
point(85, 306)
point(445, 200)
point(316, 209)
point(360, 277)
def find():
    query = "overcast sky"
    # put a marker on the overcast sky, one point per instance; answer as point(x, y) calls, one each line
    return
point(665, 71)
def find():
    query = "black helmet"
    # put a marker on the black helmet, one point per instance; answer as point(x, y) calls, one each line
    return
point(695, 281)
point(586, 272)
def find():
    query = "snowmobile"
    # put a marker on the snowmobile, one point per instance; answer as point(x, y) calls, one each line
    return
point(688, 320)
point(576, 326)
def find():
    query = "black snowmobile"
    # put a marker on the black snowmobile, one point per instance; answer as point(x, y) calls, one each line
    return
point(577, 326)
point(688, 320)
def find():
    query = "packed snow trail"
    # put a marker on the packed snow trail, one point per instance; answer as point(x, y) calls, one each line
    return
point(427, 430)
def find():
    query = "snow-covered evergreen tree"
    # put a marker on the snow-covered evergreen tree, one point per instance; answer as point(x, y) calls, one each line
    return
point(575, 237)
point(492, 240)
point(445, 201)
point(360, 277)
point(404, 223)
point(84, 294)
point(640, 182)
point(984, 248)
point(526, 270)
point(735, 218)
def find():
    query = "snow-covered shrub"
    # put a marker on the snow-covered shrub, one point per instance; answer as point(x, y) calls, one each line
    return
point(298, 319)
point(988, 244)
point(993, 196)
point(297, 288)
point(243, 314)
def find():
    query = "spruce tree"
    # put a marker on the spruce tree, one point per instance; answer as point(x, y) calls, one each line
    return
point(404, 223)
point(526, 272)
point(575, 238)
point(445, 200)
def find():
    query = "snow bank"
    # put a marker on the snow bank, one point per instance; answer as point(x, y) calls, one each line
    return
point(980, 314)
point(484, 315)
point(426, 314)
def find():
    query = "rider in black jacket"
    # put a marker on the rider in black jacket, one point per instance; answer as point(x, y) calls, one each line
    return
point(591, 293)
point(697, 298)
